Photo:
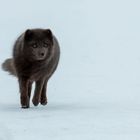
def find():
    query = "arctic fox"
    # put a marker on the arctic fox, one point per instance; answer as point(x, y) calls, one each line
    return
point(35, 58)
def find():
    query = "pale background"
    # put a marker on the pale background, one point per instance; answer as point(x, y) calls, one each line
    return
point(95, 93)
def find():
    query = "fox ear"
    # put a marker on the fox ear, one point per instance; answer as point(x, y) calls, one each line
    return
point(28, 34)
point(49, 34)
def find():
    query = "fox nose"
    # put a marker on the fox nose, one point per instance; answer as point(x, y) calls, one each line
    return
point(42, 54)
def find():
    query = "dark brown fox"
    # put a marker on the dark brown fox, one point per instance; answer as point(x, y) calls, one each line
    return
point(35, 58)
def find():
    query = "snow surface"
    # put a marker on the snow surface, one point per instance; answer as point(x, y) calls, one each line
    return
point(95, 93)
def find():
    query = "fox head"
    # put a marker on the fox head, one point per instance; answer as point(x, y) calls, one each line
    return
point(38, 43)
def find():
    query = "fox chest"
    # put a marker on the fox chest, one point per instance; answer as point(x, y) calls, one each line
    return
point(33, 72)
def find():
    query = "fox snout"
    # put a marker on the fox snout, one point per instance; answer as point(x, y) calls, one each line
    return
point(40, 54)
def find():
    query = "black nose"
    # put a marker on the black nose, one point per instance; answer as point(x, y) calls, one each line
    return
point(42, 54)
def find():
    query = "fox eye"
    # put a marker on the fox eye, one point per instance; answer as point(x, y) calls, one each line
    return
point(45, 44)
point(34, 46)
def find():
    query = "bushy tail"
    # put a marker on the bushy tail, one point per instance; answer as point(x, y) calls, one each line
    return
point(8, 65)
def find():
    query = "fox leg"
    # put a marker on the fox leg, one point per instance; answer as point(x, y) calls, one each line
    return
point(29, 89)
point(43, 100)
point(37, 93)
point(24, 99)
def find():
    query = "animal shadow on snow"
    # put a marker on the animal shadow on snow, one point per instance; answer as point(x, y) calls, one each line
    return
point(50, 107)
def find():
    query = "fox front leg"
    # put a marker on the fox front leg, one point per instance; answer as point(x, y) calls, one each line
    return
point(37, 94)
point(43, 100)
point(24, 98)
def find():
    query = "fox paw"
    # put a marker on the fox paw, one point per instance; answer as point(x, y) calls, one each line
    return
point(35, 102)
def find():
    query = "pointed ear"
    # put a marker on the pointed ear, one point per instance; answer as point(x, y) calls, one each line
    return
point(49, 34)
point(28, 34)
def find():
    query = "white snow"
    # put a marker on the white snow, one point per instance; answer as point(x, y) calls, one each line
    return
point(95, 92)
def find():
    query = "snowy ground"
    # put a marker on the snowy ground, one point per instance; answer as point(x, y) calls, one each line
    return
point(95, 93)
